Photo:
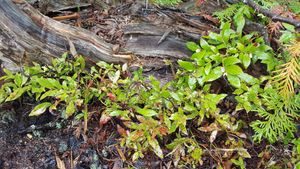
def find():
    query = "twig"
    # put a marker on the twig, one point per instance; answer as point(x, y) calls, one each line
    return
point(65, 17)
point(271, 15)
point(164, 36)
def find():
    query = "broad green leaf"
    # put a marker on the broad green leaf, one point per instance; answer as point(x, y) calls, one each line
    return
point(230, 61)
point(239, 21)
point(198, 56)
point(215, 36)
point(192, 82)
point(40, 109)
point(233, 70)
point(16, 94)
point(214, 74)
point(215, 98)
point(286, 36)
point(189, 107)
point(48, 83)
point(207, 68)
point(240, 46)
point(234, 80)
point(189, 66)
point(70, 109)
point(118, 113)
point(289, 27)
point(18, 79)
point(192, 46)
point(204, 44)
point(147, 112)
point(248, 78)
point(50, 93)
point(244, 153)
point(80, 60)
point(175, 96)
point(224, 26)
point(246, 60)
point(156, 148)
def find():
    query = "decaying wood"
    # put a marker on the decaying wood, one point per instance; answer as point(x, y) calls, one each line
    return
point(26, 36)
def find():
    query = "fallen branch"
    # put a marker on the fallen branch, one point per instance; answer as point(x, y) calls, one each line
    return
point(271, 15)
point(66, 17)
point(27, 36)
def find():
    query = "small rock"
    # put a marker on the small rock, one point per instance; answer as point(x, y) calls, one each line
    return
point(62, 147)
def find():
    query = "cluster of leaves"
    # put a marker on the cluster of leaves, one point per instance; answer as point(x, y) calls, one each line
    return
point(64, 85)
point(151, 112)
point(167, 2)
point(153, 115)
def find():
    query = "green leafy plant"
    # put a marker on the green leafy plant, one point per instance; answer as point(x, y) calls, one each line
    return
point(227, 54)
point(167, 2)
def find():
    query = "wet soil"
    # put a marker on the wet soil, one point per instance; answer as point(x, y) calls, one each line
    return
point(49, 142)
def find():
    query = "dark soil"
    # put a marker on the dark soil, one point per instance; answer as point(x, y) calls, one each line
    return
point(48, 141)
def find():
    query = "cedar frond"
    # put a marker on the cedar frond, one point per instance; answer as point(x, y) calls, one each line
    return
point(295, 49)
point(286, 77)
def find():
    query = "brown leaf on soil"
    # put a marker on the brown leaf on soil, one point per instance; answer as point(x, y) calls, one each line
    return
point(121, 131)
point(199, 3)
point(137, 135)
point(77, 131)
point(59, 163)
point(111, 96)
point(163, 131)
point(121, 154)
point(227, 164)
point(210, 128)
point(211, 18)
point(104, 119)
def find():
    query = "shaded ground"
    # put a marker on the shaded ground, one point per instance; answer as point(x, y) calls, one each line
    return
point(47, 141)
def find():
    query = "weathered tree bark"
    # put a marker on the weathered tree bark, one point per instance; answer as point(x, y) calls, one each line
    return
point(28, 36)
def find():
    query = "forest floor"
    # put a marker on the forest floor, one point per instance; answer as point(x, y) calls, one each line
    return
point(47, 141)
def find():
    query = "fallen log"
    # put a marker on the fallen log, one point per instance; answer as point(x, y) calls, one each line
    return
point(28, 36)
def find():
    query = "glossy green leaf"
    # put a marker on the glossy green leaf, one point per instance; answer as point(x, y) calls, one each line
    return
point(192, 46)
point(239, 21)
point(246, 60)
point(234, 80)
point(207, 68)
point(204, 44)
point(189, 66)
point(40, 109)
point(233, 70)
point(147, 112)
point(70, 109)
point(50, 93)
point(16, 94)
point(214, 74)
point(289, 27)
point(156, 148)
point(192, 82)
point(230, 61)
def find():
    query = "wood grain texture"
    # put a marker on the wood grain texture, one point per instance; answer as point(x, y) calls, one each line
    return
point(26, 36)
